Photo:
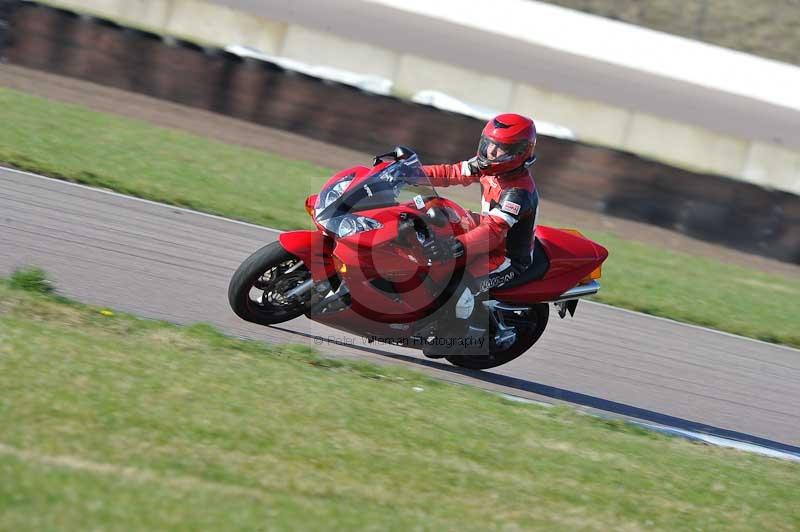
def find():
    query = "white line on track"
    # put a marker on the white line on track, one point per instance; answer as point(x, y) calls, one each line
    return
point(718, 441)
point(142, 200)
point(677, 432)
point(698, 327)
point(222, 218)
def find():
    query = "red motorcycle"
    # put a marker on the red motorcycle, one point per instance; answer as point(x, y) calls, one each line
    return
point(366, 269)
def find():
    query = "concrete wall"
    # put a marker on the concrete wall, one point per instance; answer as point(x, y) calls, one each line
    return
point(194, 20)
point(662, 138)
point(714, 208)
point(315, 48)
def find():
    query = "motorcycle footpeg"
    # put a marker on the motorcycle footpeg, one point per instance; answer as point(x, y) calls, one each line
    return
point(504, 338)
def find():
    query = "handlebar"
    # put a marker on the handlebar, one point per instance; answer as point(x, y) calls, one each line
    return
point(416, 228)
point(413, 230)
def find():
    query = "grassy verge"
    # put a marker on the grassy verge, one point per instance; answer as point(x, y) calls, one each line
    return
point(107, 151)
point(113, 422)
point(700, 291)
point(136, 158)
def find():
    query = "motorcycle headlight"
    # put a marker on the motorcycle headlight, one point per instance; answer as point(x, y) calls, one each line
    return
point(347, 226)
point(332, 194)
point(350, 225)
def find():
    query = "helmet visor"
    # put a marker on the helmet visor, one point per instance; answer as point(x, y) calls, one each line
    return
point(499, 152)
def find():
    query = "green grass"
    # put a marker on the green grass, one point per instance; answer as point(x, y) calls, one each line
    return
point(112, 422)
point(699, 291)
point(137, 158)
point(768, 29)
point(133, 157)
point(30, 279)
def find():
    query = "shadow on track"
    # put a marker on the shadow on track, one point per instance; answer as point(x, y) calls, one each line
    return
point(569, 396)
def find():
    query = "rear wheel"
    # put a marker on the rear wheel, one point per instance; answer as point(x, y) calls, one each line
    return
point(257, 291)
point(529, 324)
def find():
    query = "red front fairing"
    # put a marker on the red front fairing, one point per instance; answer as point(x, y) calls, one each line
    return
point(572, 259)
point(313, 248)
point(389, 279)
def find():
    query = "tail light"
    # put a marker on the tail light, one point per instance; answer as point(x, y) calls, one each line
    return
point(596, 274)
point(339, 265)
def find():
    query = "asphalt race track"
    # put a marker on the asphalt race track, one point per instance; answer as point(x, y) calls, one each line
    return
point(172, 264)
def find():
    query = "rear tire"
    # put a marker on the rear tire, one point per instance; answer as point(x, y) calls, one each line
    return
point(265, 271)
point(536, 322)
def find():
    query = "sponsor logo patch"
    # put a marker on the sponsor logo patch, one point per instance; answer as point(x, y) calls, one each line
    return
point(510, 206)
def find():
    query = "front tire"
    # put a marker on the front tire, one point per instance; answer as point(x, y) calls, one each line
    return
point(529, 329)
point(256, 291)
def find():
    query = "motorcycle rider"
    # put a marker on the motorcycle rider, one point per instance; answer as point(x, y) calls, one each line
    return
point(500, 248)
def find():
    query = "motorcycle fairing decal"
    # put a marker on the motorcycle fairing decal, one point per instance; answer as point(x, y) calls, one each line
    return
point(496, 280)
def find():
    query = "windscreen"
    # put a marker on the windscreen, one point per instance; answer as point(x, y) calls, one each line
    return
point(401, 182)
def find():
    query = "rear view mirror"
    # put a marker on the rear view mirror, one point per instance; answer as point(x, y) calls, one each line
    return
point(400, 153)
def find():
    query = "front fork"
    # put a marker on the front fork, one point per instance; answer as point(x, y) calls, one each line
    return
point(315, 251)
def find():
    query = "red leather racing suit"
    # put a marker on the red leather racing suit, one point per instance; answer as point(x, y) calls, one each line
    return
point(509, 205)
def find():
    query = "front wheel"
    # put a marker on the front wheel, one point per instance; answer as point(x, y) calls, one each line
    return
point(257, 291)
point(529, 324)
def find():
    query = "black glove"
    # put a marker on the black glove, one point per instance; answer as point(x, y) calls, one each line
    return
point(477, 166)
point(445, 249)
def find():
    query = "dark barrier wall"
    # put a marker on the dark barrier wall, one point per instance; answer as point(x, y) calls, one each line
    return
point(708, 207)
point(6, 8)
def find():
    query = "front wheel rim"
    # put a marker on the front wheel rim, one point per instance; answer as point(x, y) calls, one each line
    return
point(267, 293)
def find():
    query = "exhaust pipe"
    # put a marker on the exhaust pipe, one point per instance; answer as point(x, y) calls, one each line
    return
point(582, 290)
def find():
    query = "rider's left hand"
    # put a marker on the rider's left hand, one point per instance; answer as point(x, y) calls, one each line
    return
point(445, 249)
